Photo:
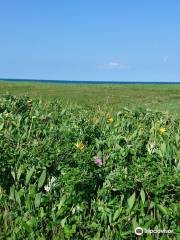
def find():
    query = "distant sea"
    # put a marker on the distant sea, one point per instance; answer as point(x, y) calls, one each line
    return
point(83, 82)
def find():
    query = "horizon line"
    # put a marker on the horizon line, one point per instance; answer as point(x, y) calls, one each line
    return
point(87, 81)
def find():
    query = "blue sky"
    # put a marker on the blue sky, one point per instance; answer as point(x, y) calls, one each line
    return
point(130, 40)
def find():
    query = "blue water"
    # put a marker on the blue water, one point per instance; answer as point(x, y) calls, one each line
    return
point(84, 82)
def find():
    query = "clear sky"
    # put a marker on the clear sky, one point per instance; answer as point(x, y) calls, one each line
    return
point(118, 40)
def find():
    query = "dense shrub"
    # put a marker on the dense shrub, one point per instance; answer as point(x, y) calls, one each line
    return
point(72, 173)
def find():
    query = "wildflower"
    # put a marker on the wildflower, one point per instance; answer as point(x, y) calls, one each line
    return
point(162, 130)
point(98, 161)
point(129, 145)
point(73, 210)
point(47, 188)
point(52, 180)
point(80, 145)
point(151, 147)
point(50, 184)
point(109, 119)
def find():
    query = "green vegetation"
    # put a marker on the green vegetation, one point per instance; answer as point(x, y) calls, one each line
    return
point(156, 97)
point(70, 172)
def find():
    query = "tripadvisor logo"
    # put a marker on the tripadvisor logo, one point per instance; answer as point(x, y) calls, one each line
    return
point(138, 231)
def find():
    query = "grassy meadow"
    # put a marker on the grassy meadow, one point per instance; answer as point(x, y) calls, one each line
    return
point(112, 97)
point(89, 161)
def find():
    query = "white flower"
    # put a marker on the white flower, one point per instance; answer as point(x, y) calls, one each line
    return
point(73, 210)
point(47, 188)
point(151, 147)
point(52, 180)
point(50, 184)
point(129, 145)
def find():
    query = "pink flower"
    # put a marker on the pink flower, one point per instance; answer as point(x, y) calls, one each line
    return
point(98, 161)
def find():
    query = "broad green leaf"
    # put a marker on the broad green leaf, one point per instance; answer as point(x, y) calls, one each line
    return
point(21, 192)
point(163, 148)
point(27, 227)
point(41, 212)
point(149, 223)
point(37, 200)
point(131, 200)
point(1, 126)
point(63, 221)
point(177, 138)
point(42, 179)
point(134, 223)
point(14, 175)
point(142, 193)
point(28, 202)
point(152, 204)
point(162, 209)
point(28, 175)
point(12, 192)
point(178, 166)
point(18, 200)
point(32, 191)
point(63, 199)
point(117, 214)
point(19, 172)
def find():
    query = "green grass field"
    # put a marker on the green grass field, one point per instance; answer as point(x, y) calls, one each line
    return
point(156, 97)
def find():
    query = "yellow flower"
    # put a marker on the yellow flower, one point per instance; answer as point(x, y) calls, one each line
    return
point(109, 119)
point(162, 130)
point(80, 145)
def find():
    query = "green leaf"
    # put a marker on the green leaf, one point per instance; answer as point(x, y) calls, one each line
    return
point(117, 214)
point(152, 204)
point(19, 171)
point(149, 223)
point(1, 126)
point(131, 200)
point(63, 199)
point(27, 227)
point(163, 148)
point(13, 175)
point(162, 209)
point(42, 179)
point(134, 223)
point(12, 192)
point(37, 200)
point(18, 200)
point(32, 191)
point(177, 139)
point(41, 212)
point(178, 166)
point(28, 175)
point(63, 221)
point(142, 193)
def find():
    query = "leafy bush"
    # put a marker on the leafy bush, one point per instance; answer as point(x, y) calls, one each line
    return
point(72, 173)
